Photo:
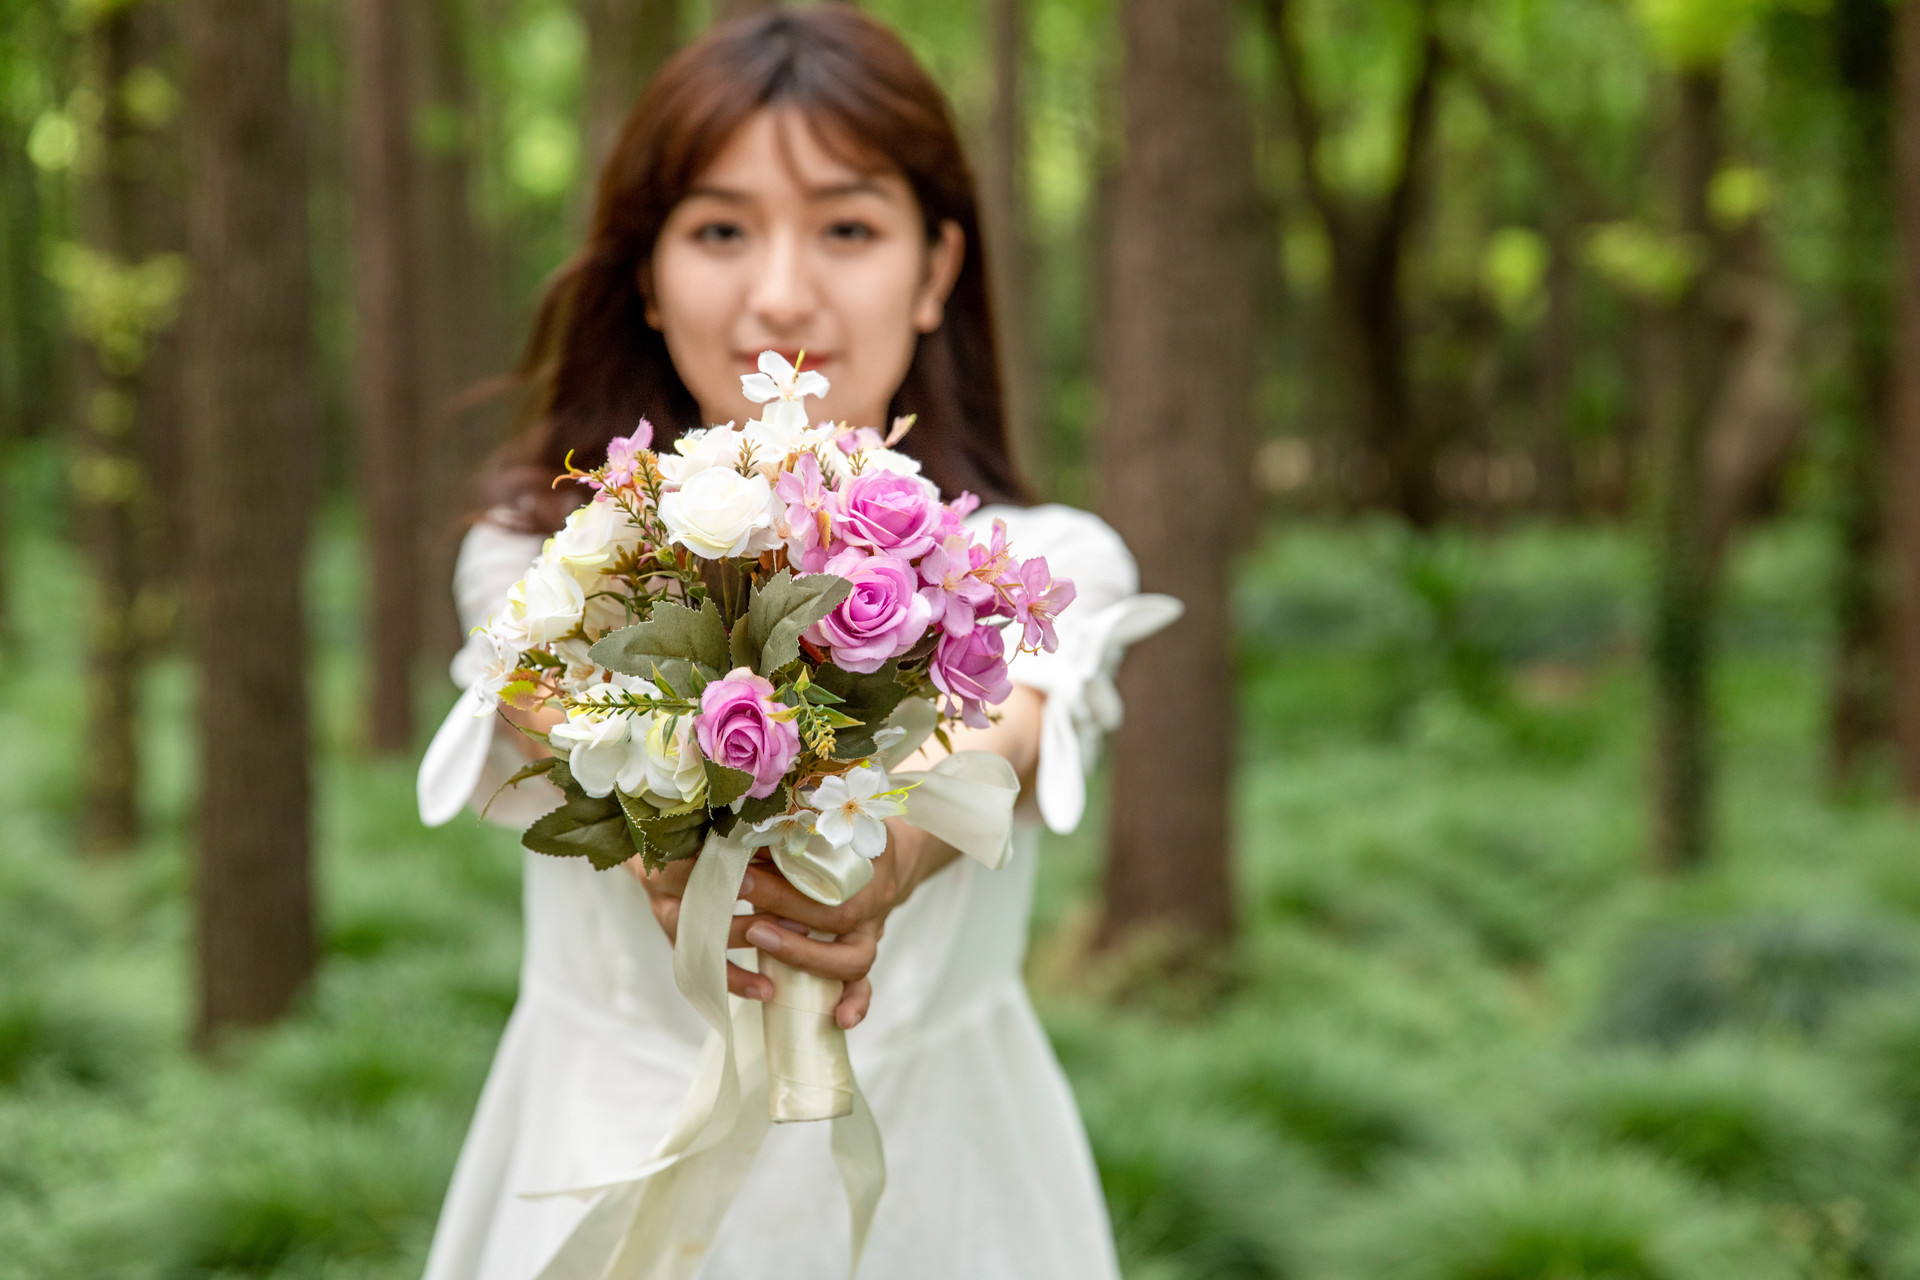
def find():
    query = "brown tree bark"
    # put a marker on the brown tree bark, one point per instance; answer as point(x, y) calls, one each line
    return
point(1688, 346)
point(1368, 245)
point(128, 418)
point(386, 358)
point(1860, 686)
point(1556, 348)
point(462, 332)
point(1003, 188)
point(251, 464)
point(627, 40)
point(1180, 345)
point(1903, 470)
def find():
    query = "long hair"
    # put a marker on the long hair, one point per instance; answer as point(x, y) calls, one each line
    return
point(593, 364)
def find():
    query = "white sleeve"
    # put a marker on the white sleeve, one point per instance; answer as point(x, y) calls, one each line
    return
point(1108, 613)
point(465, 764)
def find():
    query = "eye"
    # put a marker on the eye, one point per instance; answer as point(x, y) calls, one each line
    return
point(850, 231)
point(719, 232)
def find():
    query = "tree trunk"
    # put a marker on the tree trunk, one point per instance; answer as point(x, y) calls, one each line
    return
point(128, 415)
point(627, 40)
point(1557, 346)
point(1009, 249)
point(1688, 350)
point(251, 463)
point(1860, 689)
point(386, 359)
point(1180, 337)
point(462, 334)
point(1366, 288)
point(1903, 470)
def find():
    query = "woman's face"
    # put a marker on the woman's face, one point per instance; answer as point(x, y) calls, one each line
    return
point(780, 246)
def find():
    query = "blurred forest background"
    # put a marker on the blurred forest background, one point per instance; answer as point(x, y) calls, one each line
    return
point(1523, 394)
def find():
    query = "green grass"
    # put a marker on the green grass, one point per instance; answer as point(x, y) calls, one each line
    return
point(1465, 1035)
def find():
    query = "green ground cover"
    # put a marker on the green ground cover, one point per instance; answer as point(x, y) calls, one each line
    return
point(1464, 1036)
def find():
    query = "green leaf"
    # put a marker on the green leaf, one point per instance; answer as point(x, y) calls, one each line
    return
point(670, 631)
point(724, 821)
point(867, 699)
point(545, 764)
point(741, 647)
point(757, 811)
point(725, 785)
point(583, 827)
point(782, 608)
point(672, 836)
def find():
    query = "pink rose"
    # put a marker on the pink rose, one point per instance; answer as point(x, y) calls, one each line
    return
point(972, 671)
point(891, 513)
point(882, 617)
point(736, 728)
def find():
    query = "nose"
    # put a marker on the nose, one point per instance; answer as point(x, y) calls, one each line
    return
point(783, 297)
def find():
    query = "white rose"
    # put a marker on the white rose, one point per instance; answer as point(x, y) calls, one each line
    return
point(602, 749)
point(698, 451)
point(675, 771)
point(888, 460)
point(720, 513)
point(591, 539)
point(547, 602)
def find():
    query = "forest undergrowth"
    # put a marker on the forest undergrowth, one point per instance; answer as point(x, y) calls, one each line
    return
point(1463, 1035)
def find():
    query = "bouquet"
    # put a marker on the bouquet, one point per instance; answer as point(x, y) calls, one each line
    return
point(747, 634)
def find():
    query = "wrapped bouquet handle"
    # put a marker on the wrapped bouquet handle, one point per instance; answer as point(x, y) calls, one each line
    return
point(657, 1221)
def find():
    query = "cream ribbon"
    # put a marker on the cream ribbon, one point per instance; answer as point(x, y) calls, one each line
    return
point(657, 1222)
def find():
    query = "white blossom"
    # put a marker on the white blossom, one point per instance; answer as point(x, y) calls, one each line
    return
point(778, 380)
point(854, 808)
point(787, 833)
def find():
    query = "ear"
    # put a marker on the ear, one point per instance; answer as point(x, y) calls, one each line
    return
point(944, 257)
point(643, 281)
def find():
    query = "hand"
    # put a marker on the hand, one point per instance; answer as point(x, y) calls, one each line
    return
point(785, 916)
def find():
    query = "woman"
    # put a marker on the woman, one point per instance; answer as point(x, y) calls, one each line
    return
point(793, 182)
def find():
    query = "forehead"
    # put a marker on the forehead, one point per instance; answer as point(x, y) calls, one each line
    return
point(780, 151)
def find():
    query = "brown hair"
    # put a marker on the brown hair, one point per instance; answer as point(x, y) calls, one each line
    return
point(594, 364)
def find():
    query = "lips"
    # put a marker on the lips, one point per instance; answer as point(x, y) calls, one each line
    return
point(815, 360)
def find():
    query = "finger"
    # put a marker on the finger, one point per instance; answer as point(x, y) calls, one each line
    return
point(667, 912)
point(854, 1002)
point(747, 984)
point(737, 931)
point(670, 880)
point(775, 895)
point(846, 958)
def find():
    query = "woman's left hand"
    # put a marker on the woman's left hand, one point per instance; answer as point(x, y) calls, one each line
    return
point(910, 857)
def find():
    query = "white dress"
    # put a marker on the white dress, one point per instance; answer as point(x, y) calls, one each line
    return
point(989, 1175)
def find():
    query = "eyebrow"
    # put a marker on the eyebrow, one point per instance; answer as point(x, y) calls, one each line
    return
point(859, 186)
